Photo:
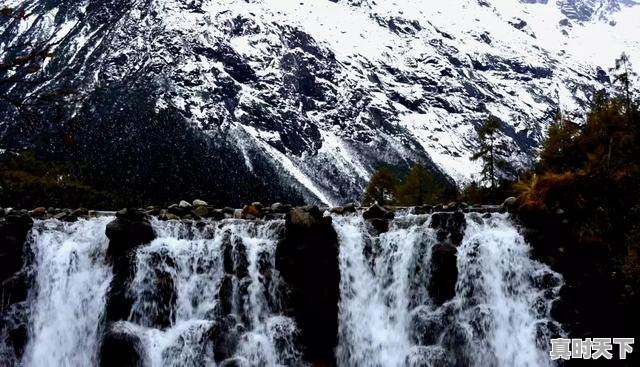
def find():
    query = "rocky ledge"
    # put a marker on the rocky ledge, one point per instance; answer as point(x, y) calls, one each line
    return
point(199, 209)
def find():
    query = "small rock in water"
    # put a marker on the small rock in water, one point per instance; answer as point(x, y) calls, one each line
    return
point(201, 211)
point(198, 202)
point(280, 208)
point(60, 216)
point(184, 204)
point(337, 210)
point(509, 202)
point(377, 212)
point(80, 212)
point(39, 212)
point(251, 211)
point(350, 208)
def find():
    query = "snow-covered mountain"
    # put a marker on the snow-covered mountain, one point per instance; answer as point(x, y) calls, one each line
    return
point(315, 94)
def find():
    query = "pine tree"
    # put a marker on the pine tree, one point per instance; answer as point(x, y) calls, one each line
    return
point(419, 188)
point(381, 189)
point(488, 151)
point(623, 78)
point(558, 150)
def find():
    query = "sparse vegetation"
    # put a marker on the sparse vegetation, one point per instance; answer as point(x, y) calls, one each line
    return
point(418, 187)
point(583, 200)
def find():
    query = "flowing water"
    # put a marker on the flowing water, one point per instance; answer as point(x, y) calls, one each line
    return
point(498, 317)
point(206, 292)
point(67, 300)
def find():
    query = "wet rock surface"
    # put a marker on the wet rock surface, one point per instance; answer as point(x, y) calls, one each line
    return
point(121, 349)
point(307, 259)
point(444, 273)
point(128, 231)
point(15, 277)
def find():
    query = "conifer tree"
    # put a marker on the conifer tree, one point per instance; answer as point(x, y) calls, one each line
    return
point(488, 150)
point(419, 188)
point(381, 189)
point(623, 78)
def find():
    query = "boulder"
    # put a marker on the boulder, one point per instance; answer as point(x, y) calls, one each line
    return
point(198, 202)
point(61, 216)
point(184, 204)
point(224, 335)
point(201, 211)
point(38, 212)
point(377, 212)
point(509, 202)
point(217, 214)
point(251, 211)
point(128, 231)
point(301, 218)
point(280, 208)
point(80, 213)
point(350, 208)
point(120, 348)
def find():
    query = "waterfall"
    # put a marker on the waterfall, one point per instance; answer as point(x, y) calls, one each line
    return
point(68, 298)
point(440, 289)
point(191, 280)
point(499, 315)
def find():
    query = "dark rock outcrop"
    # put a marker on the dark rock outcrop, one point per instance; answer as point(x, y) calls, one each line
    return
point(224, 336)
point(450, 226)
point(14, 278)
point(307, 258)
point(14, 229)
point(130, 229)
point(444, 273)
point(121, 349)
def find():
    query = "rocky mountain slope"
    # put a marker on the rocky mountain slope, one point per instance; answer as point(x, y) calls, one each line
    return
point(283, 98)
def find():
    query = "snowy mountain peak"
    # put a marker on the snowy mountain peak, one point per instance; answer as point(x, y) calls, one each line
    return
point(320, 93)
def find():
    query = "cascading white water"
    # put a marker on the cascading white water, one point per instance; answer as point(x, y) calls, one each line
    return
point(190, 262)
point(68, 297)
point(177, 290)
point(207, 292)
point(498, 317)
point(374, 319)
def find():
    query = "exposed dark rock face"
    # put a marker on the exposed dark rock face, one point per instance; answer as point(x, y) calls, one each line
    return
point(590, 266)
point(164, 114)
point(121, 349)
point(129, 230)
point(224, 336)
point(307, 258)
point(15, 278)
point(14, 229)
point(450, 228)
point(444, 273)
